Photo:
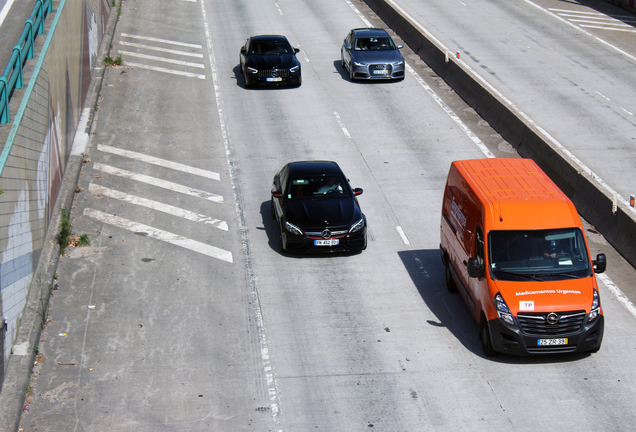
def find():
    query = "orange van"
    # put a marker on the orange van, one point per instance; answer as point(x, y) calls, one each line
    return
point(514, 247)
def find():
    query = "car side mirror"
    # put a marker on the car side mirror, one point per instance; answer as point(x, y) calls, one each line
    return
point(357, 191)
point(474, 269)
point(296, 50)
point(243, 50)
point(277, 194)
point(400, 46)
point(600, 263)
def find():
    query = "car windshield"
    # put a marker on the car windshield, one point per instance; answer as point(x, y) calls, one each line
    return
point(374, 44)
point(270, 47)
point(318, 187)
point(538, 255)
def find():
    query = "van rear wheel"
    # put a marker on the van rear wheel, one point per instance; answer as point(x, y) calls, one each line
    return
point(450, 283)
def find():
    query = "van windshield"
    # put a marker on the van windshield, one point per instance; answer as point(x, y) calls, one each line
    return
point(538, 255)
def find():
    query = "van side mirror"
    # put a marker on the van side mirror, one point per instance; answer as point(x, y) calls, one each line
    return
point(600, 263)
point(474, 269)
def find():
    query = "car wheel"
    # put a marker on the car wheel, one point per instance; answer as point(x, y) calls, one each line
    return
point(299, 81)
point(342, 62)
point(246, 81)
point(271, 208)
point(486, 341)
point(281, 243)
point(351, 76)
point(450, 283)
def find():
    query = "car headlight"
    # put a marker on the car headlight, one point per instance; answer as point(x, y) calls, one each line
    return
point(252, 70)
point(357, 226)
point(359, 64)
point(502, 310)
point(596, 307)
point(293, 229)
point(294, 69)
point(400, 63)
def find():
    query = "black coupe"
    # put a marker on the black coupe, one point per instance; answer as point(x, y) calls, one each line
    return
point(316, 209)
point(269, 59)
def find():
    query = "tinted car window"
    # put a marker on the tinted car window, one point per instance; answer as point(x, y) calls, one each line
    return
point(374, 44)
point(270, 47)
point(318, 187)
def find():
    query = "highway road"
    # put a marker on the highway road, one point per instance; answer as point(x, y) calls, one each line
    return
point(182, 315)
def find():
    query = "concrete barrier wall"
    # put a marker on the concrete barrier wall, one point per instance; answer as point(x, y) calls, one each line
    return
point(592, 198)
point(44, 118)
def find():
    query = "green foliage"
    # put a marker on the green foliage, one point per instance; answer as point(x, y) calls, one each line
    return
point(65, 229)
point(117, 61)
point(84, 240)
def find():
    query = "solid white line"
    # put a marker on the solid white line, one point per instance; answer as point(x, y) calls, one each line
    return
point(474, 138)
point(620, 296)
point(162, 41)
point(162, 59)
point(342, 125)
point(155, 205)
point(159, 183)
point(166, 50)
point(164, 70)
point(159, 162)
point(5, 10)
point(357, 12)
point(252, 277)
point(158, 234)
point(609, 25)
point(404, 238)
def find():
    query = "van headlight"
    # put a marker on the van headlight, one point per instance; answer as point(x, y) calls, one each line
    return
point(596, 307)
point(293, 229)
point(502, 310)
point(356, 226)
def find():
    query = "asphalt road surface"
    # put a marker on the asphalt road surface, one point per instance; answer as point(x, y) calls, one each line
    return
point(182, 315)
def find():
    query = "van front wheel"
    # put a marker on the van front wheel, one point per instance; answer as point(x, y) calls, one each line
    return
point(450, 283)
point(486, 341)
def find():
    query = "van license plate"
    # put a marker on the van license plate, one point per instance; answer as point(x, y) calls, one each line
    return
point(549, 342)
point(330, 242)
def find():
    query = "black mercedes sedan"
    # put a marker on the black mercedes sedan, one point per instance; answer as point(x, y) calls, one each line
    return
point(316, 209)
point(371, 54)
point(269, 59)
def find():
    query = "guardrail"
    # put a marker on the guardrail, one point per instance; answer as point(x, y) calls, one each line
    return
point(11, 79)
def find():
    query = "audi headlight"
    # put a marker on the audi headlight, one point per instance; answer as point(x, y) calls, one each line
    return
point(357, 226)
point(252, 70)
point(596, 307)
point(359, 64)
point(400, 63)
point(293, 229)
point(294, 69)
point(502, 310)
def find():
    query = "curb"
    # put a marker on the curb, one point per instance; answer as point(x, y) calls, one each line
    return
point(20, 367)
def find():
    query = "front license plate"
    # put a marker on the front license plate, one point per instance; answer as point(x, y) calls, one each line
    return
point(330, 242)
point(550, 342)
point(276, 79)
point(381, 72)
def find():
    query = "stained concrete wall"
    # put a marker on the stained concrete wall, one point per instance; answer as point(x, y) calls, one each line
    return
point(37, 147)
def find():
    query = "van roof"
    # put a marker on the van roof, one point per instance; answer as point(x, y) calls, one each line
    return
point(520, 195)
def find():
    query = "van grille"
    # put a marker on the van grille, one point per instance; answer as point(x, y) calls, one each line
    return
point(537, 323)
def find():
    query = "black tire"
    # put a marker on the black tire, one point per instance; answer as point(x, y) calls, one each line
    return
point(281, 245)
point(352, 78)
point(299, 81)
point(450, 283)
point(271, 209)
point(342, 62)
point(486, 340)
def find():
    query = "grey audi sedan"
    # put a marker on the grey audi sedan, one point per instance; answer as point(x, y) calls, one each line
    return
point(369, 54)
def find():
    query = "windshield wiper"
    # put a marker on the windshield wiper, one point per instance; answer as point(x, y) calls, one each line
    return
point(533, 277)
